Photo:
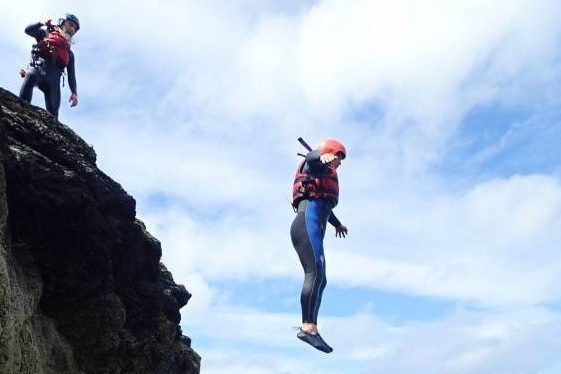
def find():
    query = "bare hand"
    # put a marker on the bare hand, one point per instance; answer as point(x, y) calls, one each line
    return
point(73, 100)
point(341, 231)
point(332, 161)
point(326, 158)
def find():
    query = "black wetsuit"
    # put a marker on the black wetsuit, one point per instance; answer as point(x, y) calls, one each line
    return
point(307, 233)
point(47, 76)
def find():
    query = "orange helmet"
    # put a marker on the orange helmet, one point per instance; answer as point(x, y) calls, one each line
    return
point(333, 146)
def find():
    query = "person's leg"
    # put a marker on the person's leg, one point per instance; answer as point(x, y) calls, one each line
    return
point(315, 227)
point(30, 81)
point(305, 231)
point(314, 274)
point(52, 97)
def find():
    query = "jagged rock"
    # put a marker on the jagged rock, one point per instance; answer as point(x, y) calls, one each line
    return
point(82, 289)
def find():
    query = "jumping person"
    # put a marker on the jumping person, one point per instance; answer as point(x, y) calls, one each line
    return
point(315, 193)
point(50, 56)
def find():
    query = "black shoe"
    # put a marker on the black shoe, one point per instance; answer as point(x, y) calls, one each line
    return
point(315, 340)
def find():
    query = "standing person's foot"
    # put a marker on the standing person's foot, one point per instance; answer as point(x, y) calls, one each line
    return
point(315, 340)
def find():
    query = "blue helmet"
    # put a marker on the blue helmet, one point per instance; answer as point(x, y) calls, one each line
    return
point(70, 17)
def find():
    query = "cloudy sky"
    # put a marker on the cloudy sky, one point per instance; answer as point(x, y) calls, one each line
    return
point(451, 114)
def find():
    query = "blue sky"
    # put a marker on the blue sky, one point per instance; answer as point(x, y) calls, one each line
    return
point(451, 191)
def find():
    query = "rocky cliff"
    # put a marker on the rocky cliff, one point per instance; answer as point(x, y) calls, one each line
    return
point(82, 288)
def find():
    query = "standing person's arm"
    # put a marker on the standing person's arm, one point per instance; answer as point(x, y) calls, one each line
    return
point(72, 80)
point(37, 31)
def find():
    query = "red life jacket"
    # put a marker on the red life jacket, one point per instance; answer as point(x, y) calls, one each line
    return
point(306, 187)
point(55, 47)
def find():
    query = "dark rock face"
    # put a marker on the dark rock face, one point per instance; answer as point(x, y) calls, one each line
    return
point(82, 289)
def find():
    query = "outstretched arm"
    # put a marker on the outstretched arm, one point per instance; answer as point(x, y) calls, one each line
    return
point(334, 220)
point(340, 230)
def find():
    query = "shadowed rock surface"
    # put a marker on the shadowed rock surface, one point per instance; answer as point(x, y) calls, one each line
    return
point(82, 289)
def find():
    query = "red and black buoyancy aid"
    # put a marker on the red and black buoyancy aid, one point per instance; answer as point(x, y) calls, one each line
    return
point(56, 48)
point(325, 187)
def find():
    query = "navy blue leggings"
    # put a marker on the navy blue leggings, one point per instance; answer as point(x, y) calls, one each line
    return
point(49, 83)
point(307, 233)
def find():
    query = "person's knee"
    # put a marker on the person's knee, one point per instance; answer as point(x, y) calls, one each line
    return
point(311, 277)
point(317, 276)
point(323, 280)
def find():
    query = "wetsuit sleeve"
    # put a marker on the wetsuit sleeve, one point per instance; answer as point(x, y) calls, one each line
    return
point(334, 220)
point(314, 164)
point(317, 168)
point(71, 74)
point(36, 30)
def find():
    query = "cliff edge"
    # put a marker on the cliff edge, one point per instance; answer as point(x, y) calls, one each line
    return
point(82, 288)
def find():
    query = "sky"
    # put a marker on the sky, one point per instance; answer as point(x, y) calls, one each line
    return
point(451, 189)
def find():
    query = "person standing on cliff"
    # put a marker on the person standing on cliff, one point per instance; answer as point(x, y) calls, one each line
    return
point(50, 56)
point(315, 193)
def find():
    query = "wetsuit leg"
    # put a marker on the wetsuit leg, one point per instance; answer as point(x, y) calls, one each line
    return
point(52, 95)
point(307, 232)
point(31, 80)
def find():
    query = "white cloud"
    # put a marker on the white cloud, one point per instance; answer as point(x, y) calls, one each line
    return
point(231, 247)
point(240, 69)
point(425, 65)
point(495, 245)
point(464, 342)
